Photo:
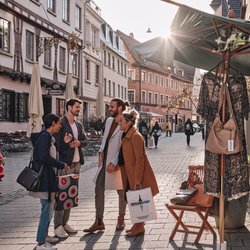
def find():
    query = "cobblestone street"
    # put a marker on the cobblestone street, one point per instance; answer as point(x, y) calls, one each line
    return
point(20, 213)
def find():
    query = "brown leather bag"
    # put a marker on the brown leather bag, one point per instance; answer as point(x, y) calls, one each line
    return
point(224, 138)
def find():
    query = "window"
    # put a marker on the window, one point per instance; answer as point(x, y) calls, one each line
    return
point(113, 62)
point(75, 65)
point(4, 35)
point(113, 89)
point(118, 66)
point(166, 99)
point(94, 37)
point(172, 84)
point(143, 76)
point(65, 6)
point(29, 45)
point(125, 93)
point(150, 76)
point(131, 74)
point(156, 79)
point(105, 57)
point(47, 53)
point(109, 88)
point(122, 68)
point(78, 17)
point(162, 81)
point(162, 100)
point(156, 98)
point(62, 59)
point(9, 106)
point(87, 70)
point(122, 92)
point(60, 104)
point(109, 62)
point(167, 82)
point(105, 86)
point(143, 97)
point(125, 69)
point(52, 5)
point(131, 96)
point(97, 74)
point(119, 90)
point(150, 98)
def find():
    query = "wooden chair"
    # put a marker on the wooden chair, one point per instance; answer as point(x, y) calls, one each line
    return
point(195, 205)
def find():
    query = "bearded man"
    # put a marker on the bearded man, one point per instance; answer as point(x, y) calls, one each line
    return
point(108, 175)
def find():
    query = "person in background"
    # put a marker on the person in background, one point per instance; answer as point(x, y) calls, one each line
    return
point(168, 128)
point(109, 176)
point(202, 128)
point(137, 171)
point(156, 132)
point(189, 130)
point(44, 154)
point(72, 154)
point(144, 130)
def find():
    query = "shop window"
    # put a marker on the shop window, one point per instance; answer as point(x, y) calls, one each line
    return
point(60, 104)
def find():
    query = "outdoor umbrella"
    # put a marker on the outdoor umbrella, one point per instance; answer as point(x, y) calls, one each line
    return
point(35, 105)
point(69, 92)
point(100, 102)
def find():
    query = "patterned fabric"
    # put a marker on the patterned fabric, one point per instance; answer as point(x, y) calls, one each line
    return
point(67, 195)
point(236, 177)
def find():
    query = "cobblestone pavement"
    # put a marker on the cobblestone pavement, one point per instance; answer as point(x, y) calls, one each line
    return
point(19, 213)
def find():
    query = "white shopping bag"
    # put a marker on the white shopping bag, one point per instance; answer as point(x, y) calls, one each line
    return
point(151, 142)
point(141, 205)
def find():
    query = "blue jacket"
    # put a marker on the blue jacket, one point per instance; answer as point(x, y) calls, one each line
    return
point(41, 155)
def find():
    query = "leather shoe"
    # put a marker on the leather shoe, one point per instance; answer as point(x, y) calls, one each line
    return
point(120, 223)
point(98, 225)
point(137, 229)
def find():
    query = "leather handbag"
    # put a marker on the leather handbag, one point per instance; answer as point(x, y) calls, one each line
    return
point(224, 138)
point(30, 177)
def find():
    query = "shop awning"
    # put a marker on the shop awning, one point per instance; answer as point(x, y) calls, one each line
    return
point(194, 35)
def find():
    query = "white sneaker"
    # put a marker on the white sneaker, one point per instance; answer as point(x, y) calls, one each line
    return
point(60, 233)
point(46, 246)
point(69, 229)
point(52, 240)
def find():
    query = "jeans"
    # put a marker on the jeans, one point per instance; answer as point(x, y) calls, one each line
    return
point(45, 218)
point(61, 217)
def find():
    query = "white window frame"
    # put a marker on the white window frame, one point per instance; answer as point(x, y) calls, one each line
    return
point(131, 92)
point(143, 96)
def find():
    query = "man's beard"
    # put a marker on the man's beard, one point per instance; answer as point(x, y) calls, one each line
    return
point(74, 113)
point(114, 114)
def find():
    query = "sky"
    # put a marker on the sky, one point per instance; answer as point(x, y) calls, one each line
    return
point(137, 16)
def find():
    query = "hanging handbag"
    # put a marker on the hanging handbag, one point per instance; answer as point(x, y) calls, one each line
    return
point(30, 176)
point(67, 194)
point(224, 138)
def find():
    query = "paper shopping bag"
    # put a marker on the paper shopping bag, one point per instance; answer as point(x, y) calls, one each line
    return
point(151, 142)
point(67, 194)
point(141, 205)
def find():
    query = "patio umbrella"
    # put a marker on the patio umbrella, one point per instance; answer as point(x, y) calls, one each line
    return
point(69, 92)
point(35, 104)
point(100, 102)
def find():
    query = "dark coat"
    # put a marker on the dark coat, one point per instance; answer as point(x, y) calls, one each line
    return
point(143, 128)
point(188, 126)
point(41, 156)
point(66, 153)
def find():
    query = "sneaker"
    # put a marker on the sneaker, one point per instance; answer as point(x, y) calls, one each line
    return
point(68, 229)
point(60, 233)
point(52, 240)
point(46, 246)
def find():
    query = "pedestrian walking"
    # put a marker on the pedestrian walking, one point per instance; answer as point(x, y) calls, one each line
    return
point(137, 171)
point(156, 132)
point(189, 130)
point(72, 154)
point(108, 174)
point(144, 130)
point(44, 154)
point(168, 128)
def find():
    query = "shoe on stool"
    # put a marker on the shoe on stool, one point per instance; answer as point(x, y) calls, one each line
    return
point(46, 246)
point(98, 225)
point(120, 223)
point(52, 240)
point(68, 229)
point(60, 233)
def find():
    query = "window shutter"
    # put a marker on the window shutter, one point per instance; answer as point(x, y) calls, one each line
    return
point(1, 105)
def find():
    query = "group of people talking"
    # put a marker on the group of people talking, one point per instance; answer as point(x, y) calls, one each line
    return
point(122, 165)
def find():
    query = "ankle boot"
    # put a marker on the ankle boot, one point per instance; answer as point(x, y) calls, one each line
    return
point(98, 225)
point(120, 223)
point(137, 229)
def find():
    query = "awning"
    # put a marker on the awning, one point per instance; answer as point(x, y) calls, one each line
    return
point(194, 35)
point(152, 114)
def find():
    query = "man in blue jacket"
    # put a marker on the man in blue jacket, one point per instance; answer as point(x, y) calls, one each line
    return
point(70, 153)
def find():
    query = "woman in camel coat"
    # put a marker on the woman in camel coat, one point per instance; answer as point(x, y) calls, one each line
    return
point(136, 170)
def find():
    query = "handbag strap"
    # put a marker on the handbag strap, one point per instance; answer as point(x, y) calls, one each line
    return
point(224, 94)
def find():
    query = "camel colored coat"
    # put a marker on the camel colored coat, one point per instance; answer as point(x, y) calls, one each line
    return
point(136, 164)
